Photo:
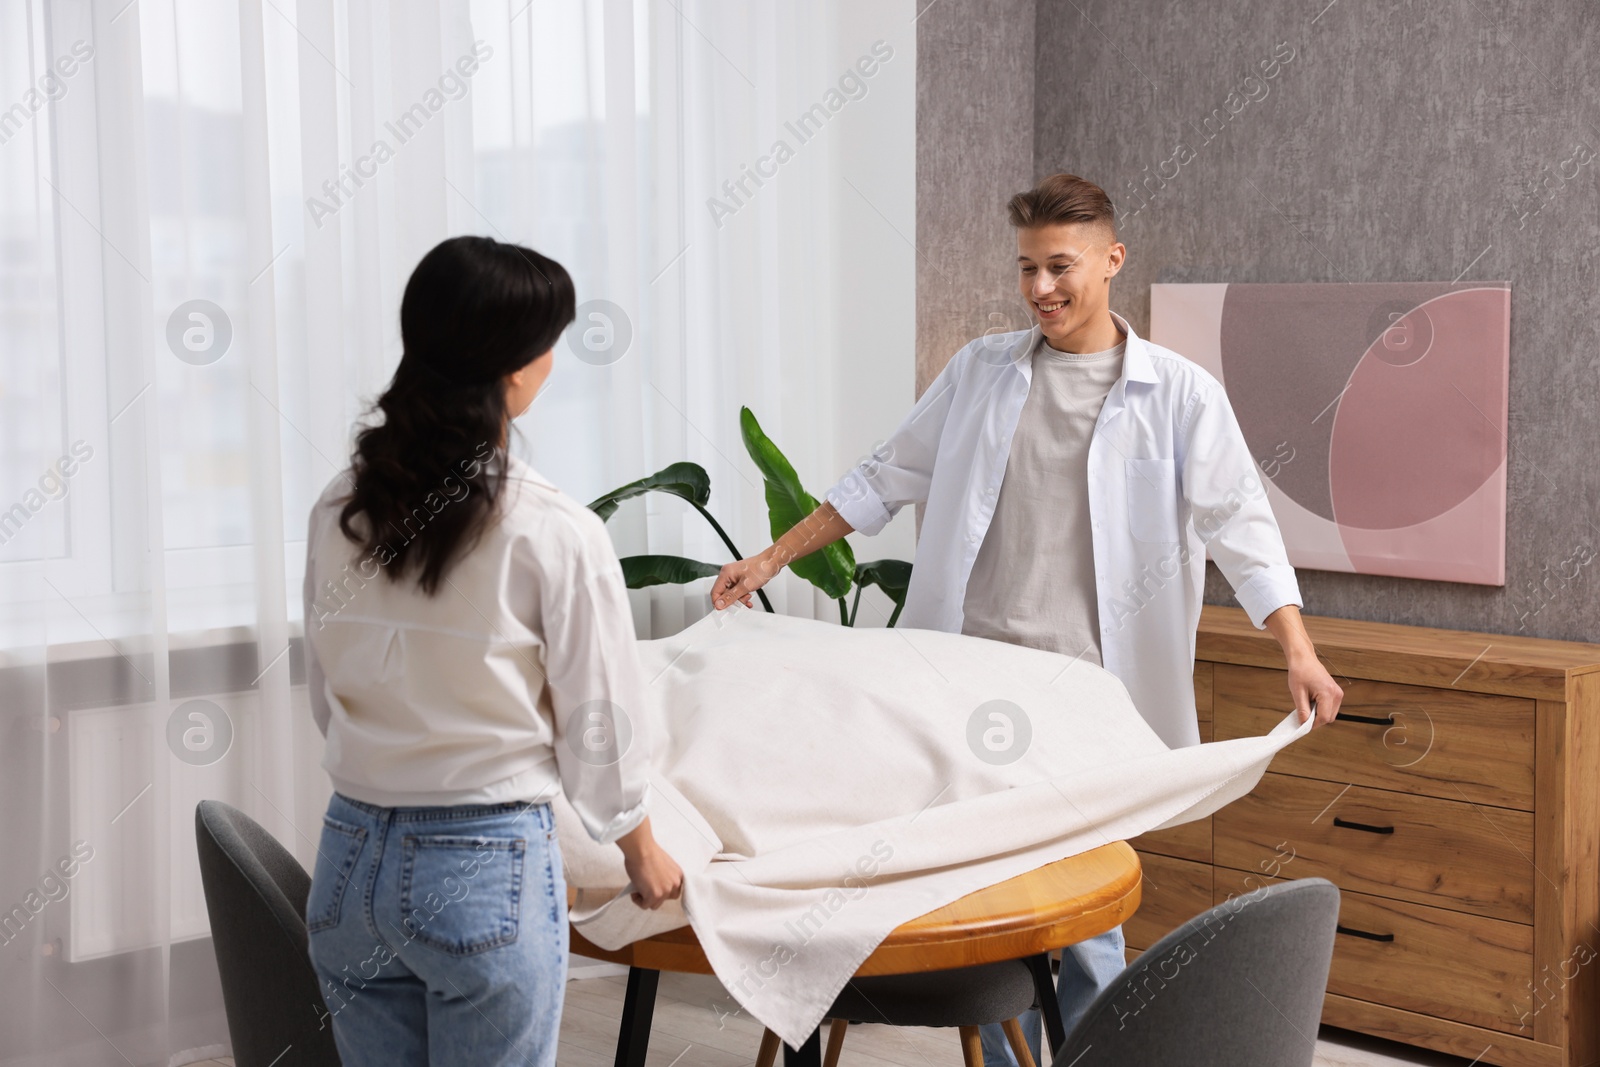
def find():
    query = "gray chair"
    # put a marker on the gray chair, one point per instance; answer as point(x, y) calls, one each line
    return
point(965, 999)
point(256, 898)
point(1240, 985)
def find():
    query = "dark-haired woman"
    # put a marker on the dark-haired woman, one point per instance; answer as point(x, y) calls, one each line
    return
point(469, 652)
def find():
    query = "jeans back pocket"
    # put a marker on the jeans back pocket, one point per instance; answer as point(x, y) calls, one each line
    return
point(337, 854)
point(461, 894)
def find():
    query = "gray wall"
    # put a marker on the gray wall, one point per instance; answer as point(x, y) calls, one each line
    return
point(1401, 142)
point(974, 150)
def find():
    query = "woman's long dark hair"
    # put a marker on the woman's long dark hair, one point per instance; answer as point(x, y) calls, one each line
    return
point(475, 310)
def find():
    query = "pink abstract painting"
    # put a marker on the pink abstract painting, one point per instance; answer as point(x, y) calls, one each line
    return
point(1377, 413)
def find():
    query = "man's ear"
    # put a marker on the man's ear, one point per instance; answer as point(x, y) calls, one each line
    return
point(1116, 254)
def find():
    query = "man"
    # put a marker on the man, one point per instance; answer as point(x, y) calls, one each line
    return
point(1074, 476)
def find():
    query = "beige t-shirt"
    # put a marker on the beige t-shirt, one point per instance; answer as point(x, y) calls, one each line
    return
point(1033, 580)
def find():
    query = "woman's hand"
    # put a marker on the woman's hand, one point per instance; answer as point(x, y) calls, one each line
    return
point(656, 876)
point(743, 577)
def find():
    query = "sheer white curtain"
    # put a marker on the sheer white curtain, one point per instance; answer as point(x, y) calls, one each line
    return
point(208, 212)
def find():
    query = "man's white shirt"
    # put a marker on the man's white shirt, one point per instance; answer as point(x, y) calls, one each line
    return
point(1169, 476)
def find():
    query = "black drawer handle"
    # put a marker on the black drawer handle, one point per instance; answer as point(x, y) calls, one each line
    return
point(1348, 825)
point(1371, 720)
point(1362, 933)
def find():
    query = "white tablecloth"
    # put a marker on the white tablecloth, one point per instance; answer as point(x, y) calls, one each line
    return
point(820, 785)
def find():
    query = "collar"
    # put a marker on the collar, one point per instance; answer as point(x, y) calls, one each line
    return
point(1136, 363)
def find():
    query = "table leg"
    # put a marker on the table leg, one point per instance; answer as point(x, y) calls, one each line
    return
point(638, 1007)
point(1044, 987)
point(807, 1055)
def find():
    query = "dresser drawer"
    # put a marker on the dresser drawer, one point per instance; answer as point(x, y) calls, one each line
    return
point(1443, 963)
point(1437, 742)
point(1189, 841)
point(1174, 891)
point(1203, 681)
point(1444, 853)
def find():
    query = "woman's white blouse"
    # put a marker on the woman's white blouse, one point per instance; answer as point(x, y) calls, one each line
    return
point(520, 676)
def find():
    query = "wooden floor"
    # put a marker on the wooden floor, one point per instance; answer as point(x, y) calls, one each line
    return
point(698, 1025)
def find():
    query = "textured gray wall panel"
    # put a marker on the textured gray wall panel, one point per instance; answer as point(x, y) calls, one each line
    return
point(974, 150)
point(1409, 141)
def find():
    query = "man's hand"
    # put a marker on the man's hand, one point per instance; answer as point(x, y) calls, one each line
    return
point(1309, 681)
point(743, 577)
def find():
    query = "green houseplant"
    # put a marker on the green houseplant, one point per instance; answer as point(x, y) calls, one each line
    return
point(833, 569)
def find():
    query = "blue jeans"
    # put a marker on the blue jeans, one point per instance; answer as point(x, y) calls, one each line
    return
point(439, 935)
point(1086, 969)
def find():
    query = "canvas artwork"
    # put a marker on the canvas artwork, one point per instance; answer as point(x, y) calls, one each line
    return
point(1377, 413)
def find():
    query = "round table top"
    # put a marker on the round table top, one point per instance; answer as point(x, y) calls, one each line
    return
point(1058, 904)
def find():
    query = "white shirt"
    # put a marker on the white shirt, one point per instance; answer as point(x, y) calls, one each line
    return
point(1169, 476)
point(1032, 581)
point(519, 677)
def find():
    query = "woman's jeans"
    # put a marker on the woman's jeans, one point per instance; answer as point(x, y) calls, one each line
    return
point(439, 935)
point(1086, 968)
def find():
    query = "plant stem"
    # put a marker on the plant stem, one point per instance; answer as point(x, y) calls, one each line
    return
point(844, 614)
point(728, 541)
point(855, 608)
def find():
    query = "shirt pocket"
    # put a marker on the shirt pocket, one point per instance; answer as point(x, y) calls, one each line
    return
point(1152, 486)
point(461, 895)
point(337, 854)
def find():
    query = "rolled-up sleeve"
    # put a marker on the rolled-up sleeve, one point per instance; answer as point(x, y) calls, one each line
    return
point(1228, 502)
point(598, 692)
point(900, 470)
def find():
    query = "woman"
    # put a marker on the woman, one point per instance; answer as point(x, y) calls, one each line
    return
point(470, 651)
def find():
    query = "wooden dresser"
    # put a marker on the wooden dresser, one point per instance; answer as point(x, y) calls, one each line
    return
point(1455, 802)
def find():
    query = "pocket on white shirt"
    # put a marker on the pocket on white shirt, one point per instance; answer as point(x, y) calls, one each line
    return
point(1153, 500)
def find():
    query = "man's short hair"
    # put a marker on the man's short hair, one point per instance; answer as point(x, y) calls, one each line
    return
point(1063, 198)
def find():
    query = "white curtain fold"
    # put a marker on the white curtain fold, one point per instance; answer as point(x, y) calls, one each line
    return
point(208, 214)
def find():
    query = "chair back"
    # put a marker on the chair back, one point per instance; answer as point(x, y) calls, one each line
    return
point(1240, 985)
point(256, 898)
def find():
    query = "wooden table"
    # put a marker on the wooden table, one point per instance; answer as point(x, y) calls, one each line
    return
point(1023, 918)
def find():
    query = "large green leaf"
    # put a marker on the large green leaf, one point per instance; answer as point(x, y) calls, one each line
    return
point(833, 568)
point(893, 576)
point(641, 571)
point(688, 480)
